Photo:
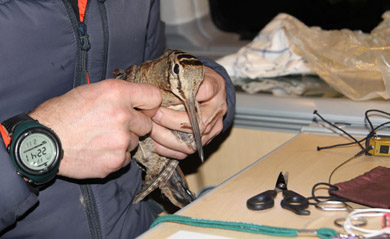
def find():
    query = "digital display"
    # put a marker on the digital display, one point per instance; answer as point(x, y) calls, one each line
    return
point(37, 151)
point(384, 149)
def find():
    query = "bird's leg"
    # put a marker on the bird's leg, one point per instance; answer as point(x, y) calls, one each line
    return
point(176, 189)
point(154, 181)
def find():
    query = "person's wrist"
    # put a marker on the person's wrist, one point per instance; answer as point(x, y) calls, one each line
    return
point(35, 149)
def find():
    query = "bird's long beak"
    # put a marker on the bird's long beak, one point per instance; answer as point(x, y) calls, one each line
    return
point(192, 112)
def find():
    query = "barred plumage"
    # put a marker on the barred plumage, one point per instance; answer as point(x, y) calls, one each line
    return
point(178, 75)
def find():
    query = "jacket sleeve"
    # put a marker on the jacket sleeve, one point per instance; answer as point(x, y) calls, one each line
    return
point(15, 196)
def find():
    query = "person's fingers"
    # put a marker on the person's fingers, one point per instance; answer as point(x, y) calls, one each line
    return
point(138, 123)
point(99, 125)
point(172, 119)
point(127, 159)
point(143, 96)
point(167, 152)
point(133, 142)
point(166, 138)
point(210, 85)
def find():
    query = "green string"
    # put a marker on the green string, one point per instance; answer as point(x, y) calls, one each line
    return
point(325, 233)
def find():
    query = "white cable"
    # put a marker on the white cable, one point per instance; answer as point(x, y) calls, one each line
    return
point(364, 213)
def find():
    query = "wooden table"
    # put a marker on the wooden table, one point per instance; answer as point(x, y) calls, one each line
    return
point(306, 167)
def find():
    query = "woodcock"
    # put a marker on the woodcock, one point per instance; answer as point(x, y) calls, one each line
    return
point(178, 75)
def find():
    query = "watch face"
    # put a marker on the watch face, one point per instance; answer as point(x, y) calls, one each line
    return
point(37, 152)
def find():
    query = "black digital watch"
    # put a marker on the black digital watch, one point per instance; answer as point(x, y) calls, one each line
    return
point(35, 149)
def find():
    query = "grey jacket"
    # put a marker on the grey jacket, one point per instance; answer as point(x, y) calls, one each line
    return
point(41, 56)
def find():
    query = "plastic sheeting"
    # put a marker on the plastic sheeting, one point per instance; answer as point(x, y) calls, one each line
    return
point(354, 63)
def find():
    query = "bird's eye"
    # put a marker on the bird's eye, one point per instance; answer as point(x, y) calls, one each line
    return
point(176, 69)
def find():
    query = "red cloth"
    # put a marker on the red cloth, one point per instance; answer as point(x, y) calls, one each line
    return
point(370, 189)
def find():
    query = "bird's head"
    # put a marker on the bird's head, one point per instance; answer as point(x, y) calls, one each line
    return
point(184, 77)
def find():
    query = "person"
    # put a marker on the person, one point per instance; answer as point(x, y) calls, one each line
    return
point(57, 59)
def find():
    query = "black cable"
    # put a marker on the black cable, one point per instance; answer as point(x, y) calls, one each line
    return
point(335, 126)
point(368, 119)
point(332, 187)
point(318, 199)
point(364, 150)
point(338, 145)
point(381, 125)
point(346, 161)
point(350, 143)
point(370, 134)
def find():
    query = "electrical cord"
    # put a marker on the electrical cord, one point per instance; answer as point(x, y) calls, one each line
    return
point(370, 134)
point(343, 163)
point(318, 199)
point(368, 118)
point(340, 129)
point(355, 141)
point(338, 145)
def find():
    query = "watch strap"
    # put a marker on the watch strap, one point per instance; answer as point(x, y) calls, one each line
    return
point(11, 123)
point(5, 135)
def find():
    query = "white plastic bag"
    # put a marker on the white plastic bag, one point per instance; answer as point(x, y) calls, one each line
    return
point(268, 55)
point(354, 63)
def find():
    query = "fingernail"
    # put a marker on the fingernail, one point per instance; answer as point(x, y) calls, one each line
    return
point(157, 116)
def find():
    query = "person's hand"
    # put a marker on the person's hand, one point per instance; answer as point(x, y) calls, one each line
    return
point(99, 125)
point(212, 98)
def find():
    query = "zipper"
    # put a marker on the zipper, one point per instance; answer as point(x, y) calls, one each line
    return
point(84, 41)
point(92, 212)
point(84, 47)
point(82, 77)
point(104, 19)
point(83, 44)
point(86, 189)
